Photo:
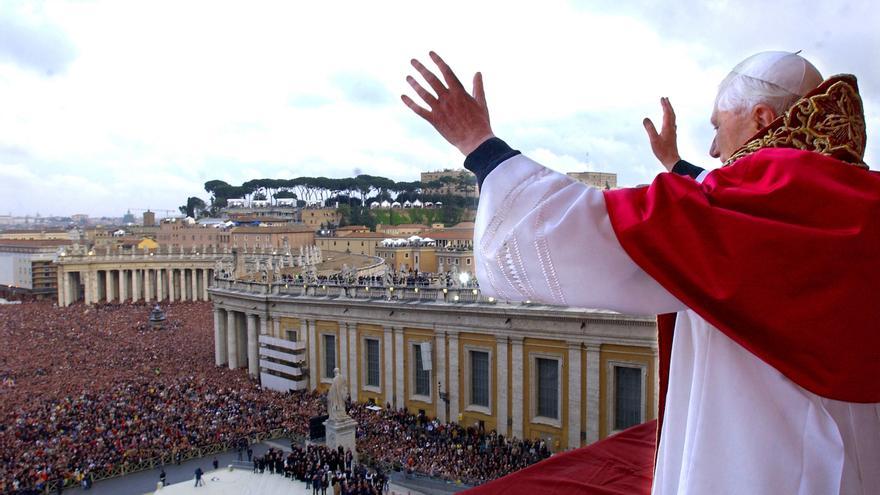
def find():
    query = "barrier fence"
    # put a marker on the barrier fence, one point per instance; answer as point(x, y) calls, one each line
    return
point(130, 467)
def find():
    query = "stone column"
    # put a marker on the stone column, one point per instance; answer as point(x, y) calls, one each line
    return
point(342, 362)
point(123, 285)
point(253, 355)
point(89, 286)
point(231, 339)
point(63, 287)
point(93, 276)
point(516, 402)
point(353, 365)
point(169, 283)
point(400, 372)
point(181, 282)
point(593, 361)
point(440, 359)
point(276, 329)
point(160, 284)
point(220, 339)
point(308, 328)
point(265, 324)
point(109, 286)
point(136, 285)
point(574, 395)
point(205, 283)
point(148, 285)
point(193, 285)
point(454, 387)
point(388, 357)
point(655, 352)
point(242, 340)
point(501, 388)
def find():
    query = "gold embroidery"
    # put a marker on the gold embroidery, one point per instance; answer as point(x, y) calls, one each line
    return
point(829, 120)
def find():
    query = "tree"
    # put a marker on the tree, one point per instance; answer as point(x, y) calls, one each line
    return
point(193, 207)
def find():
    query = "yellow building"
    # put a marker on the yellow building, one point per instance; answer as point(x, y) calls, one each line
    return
point(414, 256)
point(355, 242)
point(147, 243)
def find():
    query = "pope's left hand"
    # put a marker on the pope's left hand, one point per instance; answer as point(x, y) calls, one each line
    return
point(665, 143)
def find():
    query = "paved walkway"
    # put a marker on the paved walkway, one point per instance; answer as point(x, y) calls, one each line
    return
point(183, 476)
point(145, 481)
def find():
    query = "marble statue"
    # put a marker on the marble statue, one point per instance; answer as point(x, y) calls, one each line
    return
point(337, 397)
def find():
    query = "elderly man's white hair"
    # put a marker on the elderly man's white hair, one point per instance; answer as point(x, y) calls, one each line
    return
point(776, 79)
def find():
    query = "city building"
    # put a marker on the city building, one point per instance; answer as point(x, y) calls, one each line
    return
point(318, 217)
point(600, 180)
point(355, 243)
point(149, 218)
point(457, 182)
point(39, 234)
point(178, 234)
point(28, 266)
point(414, 255)
point(261, 209)
point(564, 375)
point(401, 230)
point(351, 229)
point(273, 238)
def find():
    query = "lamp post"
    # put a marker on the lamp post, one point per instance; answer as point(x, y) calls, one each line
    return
point(444, 397)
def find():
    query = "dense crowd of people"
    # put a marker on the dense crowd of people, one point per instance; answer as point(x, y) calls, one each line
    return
point(86, 389)
point(441, 450)
point(323, 470)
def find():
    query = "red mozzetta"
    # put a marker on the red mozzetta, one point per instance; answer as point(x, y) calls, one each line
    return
point(780, 251)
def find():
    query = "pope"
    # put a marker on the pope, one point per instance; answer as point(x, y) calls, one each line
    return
point(764, 272)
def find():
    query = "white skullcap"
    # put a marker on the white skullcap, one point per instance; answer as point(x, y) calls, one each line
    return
point(786, 70)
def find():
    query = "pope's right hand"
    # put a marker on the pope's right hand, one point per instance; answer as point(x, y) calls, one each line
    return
point(461, 118)
point(665, 143)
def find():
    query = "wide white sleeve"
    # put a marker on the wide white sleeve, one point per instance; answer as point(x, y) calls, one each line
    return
point(544, 237)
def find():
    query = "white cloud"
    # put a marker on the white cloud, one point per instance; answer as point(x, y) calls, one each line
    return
point(150, 100)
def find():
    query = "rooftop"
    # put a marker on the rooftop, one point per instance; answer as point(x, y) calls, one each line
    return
point(296, 228)
point(35, 242)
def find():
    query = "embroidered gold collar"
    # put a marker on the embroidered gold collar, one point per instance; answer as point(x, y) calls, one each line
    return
point(829, 120)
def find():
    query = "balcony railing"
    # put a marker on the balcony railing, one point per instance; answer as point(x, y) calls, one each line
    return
point(456, 295)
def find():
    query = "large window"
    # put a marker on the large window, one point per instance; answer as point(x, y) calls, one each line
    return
point(329, 355)
point(479, 378)
point(371, 347)
point(548, 387)
point(627, 397)
point(422, 376)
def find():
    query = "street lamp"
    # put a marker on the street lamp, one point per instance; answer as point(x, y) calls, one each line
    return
point(444, 397)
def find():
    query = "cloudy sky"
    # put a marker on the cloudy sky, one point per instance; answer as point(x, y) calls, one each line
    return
point(110, 105)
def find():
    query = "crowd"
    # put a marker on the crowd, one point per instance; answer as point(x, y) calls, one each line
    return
point(87, 389)
point(91, 388)
point(448, 451)
point(323, 469)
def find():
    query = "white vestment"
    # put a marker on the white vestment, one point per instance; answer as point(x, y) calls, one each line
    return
point(733, 424)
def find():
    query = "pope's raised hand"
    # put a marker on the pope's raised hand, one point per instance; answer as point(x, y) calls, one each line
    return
point(665, 143)
point(461, 118)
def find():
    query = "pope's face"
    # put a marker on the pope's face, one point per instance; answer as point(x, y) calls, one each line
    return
point(732, 129)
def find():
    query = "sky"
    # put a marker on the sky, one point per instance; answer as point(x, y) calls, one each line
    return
point(113, 105)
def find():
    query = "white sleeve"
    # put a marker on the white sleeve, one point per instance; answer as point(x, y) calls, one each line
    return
point(542, 236)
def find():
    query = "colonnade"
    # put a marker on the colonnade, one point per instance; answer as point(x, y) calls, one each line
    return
point(236, 339)
point(134, 284)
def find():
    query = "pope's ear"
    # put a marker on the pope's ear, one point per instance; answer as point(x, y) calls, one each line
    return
point(763, 115)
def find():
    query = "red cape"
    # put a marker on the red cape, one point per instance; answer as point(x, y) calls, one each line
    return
point(780, 251)
point(619, 465)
